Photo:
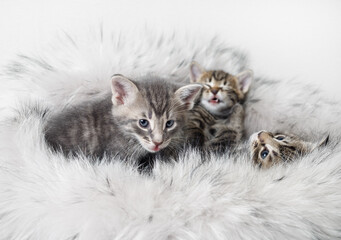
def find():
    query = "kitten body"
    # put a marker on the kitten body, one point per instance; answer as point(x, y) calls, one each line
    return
point(216, 122)
point(136, 119)
point(268, 149)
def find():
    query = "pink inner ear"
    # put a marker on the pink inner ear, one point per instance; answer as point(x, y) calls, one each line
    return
point(195, 72)
point(120, 100)
point(243, 82)
point(121, 93)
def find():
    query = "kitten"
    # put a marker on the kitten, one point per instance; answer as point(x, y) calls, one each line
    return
point(268, 149)
point(216, 122)
point(137, 118)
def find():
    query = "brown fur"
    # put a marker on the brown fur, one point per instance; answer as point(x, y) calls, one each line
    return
point(268, 149)
point(221, 81)
point(216, 122)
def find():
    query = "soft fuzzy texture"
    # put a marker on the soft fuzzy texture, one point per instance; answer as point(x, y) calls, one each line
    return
point(45, 196)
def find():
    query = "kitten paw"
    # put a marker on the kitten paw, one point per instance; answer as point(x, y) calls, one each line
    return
point(237, 109)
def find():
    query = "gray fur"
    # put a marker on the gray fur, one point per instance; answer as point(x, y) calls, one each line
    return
point(98, 127)
point(44, 196)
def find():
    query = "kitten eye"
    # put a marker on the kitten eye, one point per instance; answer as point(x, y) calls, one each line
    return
point(264, 154)
point(143, 123)
point(279, 138)
point(169, 123)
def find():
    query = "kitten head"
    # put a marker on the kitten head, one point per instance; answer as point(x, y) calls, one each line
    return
point(221, 89)
point(268, 149)
point(152, 111)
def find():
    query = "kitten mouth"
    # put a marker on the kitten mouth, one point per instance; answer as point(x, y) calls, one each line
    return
point(214, 100)
point(156, 149)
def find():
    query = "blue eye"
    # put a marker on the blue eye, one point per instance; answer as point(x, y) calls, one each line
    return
point(264, 154)
point(169, 123)
point(143, 123)
point(279, 138)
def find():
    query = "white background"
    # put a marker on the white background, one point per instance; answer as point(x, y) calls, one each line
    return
point(284, 39)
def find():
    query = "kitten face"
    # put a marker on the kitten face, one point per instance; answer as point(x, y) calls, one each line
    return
point(221, 89)
point(152, 112)
point(153, 129)
point(268, 149)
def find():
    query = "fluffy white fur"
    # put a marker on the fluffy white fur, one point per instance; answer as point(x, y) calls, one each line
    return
point(45, 196)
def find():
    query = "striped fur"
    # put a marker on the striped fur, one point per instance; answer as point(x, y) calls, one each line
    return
point(112, 125)
point(216, 123)
point(268, 149)
point(45, 196)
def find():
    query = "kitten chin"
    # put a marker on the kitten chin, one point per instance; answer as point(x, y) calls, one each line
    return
point(220, 110)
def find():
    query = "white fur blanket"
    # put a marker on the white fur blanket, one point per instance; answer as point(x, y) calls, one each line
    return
point(45, 196)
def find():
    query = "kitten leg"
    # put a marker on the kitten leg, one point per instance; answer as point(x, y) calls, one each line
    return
point(225, 138)
point(236, 119)
point(194, 134)
point(197, 121)
point(227, 133)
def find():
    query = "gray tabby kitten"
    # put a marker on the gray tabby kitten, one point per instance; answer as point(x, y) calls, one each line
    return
point(138, 118)
point(216, 123)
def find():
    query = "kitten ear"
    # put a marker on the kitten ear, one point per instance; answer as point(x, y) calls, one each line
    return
point(188, 94)
point(245, 79)
point(195, 72)
point(123, 90)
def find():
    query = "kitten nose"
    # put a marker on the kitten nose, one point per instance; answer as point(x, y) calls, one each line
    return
point(157, 143)
point(214, 91)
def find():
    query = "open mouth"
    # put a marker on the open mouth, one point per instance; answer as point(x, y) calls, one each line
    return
point(153, 148)
point(156, 148)
point(214, 100)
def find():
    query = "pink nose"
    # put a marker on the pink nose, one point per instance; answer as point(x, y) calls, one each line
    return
point(157, 143)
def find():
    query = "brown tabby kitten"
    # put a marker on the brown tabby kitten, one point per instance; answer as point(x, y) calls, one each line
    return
point(138, 118)
point(268, 149)
point(216, 123)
